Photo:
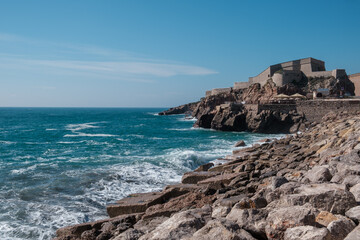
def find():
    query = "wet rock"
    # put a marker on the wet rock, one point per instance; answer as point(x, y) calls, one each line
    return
point(204, 167)
point(307, 233)
point(221, 229)
point(240, 143)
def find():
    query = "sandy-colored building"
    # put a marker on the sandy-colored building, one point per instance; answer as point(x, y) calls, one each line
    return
point(355, 78)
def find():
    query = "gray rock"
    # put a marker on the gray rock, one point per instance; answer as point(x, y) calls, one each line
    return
point(195, 177)
point(280, 219)
point(327, 197)
point(355, 190)
point(354, 234)
point(351, 180)
point(278, 181)
point(340, 228)
point(130, 234)
point(220, 211)
point(180, 225)
point(221, 229)
point(319, 174)
point(252, 220)
point(307, 233)
point(354, 214)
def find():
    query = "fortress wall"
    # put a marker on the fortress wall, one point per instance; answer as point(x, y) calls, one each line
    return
point(320, 74)
point(241, 85)
point(314, 110)
point(261, 78)
point(220, 90)
point(355, 78)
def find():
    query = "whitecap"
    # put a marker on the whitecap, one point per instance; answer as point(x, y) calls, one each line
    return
point(50, 129)
point(79, 134)
point(7, 142)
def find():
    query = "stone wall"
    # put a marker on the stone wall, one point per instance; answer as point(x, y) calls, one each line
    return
point(261, 78)
point(241, 85)
point(278, 107)
point(216, 91)
point(355, 78)
point(314, 110)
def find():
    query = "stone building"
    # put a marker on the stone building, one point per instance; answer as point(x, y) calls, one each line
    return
point(355, 78)
point(292, 71)
point(289, 72)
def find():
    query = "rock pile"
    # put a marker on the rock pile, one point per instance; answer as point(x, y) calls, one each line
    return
point(304, 186)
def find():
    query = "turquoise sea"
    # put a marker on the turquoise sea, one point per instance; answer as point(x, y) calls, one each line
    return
point(62, 166)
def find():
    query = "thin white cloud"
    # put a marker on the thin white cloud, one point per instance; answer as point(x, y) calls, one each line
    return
point(115, 64)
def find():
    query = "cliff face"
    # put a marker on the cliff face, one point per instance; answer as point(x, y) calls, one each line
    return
point(183, 109)
point(235, 117)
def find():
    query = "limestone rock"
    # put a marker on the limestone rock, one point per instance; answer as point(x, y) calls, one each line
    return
point(281, 219)
point(324, 218)
point(354, 234)
point(327, 197)
point(221, 229)
point(307, 233)
point(355, 190)
point(277, 182)
point(341, 228)
point(252, 220)
point(354, 214)
point(180, 225)
point(319, 174)
point(195, 177)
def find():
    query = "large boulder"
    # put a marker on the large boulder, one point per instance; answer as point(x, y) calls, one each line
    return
point(307, 233)
point(354, 214)
point(252, 220)
point(180, 225)
point(319, 174)
point(341, 228)
point(327, 197)
point(221, 229)
point(281, 219)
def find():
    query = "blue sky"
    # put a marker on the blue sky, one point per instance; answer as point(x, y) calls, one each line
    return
point(160, 53)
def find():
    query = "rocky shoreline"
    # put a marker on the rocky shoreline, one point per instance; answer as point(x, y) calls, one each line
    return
point(304, 186)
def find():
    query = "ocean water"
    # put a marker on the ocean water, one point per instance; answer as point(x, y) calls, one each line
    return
point(62, 166)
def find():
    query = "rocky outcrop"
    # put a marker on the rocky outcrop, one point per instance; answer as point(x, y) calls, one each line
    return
point(235, 117)
point(183, 109)
point(302, 186)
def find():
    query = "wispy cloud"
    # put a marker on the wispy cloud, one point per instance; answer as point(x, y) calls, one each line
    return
point(114, 63)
